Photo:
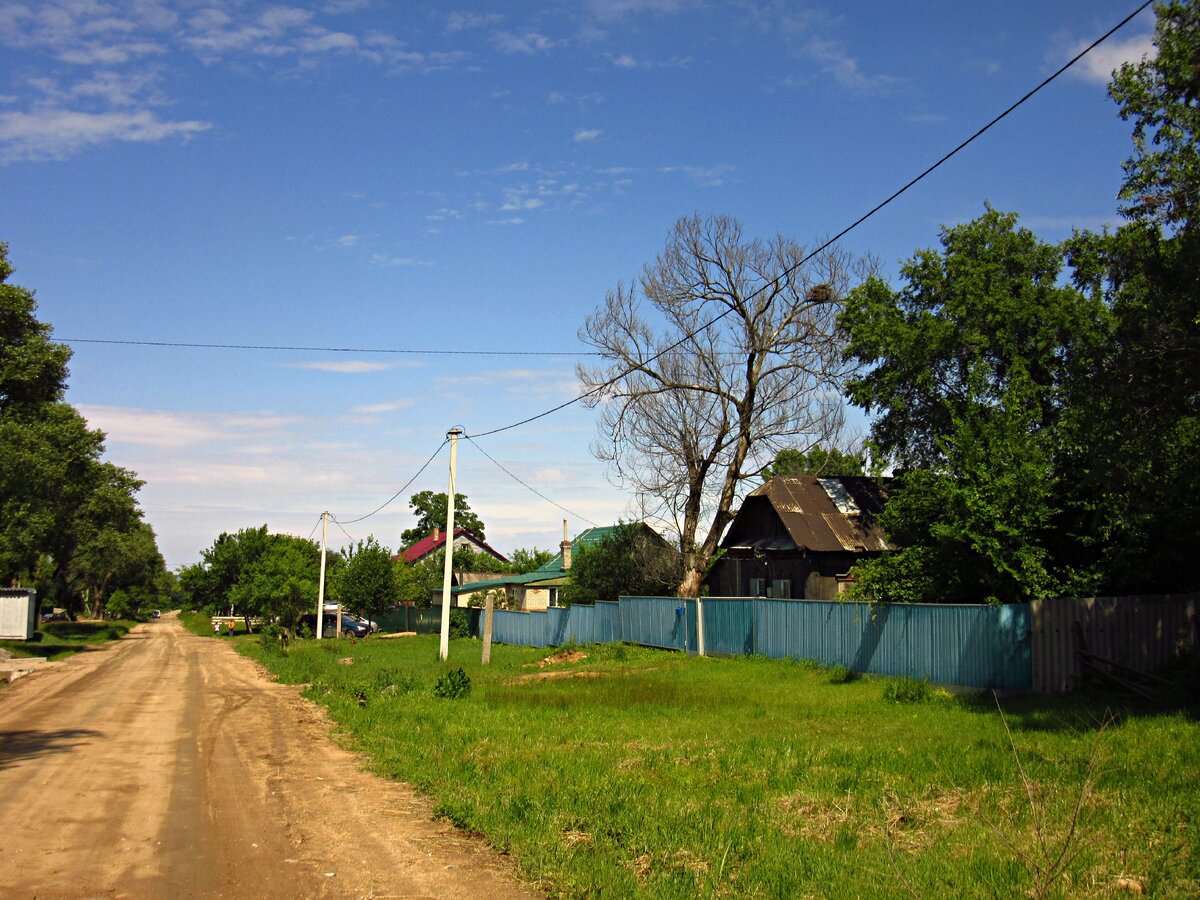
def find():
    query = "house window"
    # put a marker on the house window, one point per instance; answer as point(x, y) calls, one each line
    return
point(553, 595)
point(781, 588)
point(758, 587)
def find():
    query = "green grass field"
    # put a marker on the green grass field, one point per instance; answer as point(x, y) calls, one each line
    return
point(632, 772)
point(58, 640)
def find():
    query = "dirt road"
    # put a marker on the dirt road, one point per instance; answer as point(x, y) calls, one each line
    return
point(166, 765)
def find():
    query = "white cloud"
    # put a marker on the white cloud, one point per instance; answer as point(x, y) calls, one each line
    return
point(54, 133)
point(1098, 65)
point(528, 43)
point(376, 408)
point(843, 68)
point(176, 430)
point(624, 61)
point(347, 240)
point(396, 262)
point(347, 366)
point(515, 220)
point(709, 176)
point(615, 9)
point(464, 21)
point(582, 135)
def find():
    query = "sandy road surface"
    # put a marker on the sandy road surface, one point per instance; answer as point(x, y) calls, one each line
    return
point(166, 765)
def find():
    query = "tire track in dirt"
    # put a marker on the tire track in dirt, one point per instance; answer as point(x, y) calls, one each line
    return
point(166, 764)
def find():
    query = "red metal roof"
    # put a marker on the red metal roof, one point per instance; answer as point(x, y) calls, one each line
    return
point(437, 541)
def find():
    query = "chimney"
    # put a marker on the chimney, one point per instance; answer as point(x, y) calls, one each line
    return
point(565, 546)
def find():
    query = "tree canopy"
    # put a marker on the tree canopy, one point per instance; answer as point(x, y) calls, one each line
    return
point(1041, 401)
point(630, 560)
point(366, 582)
point(723, 351)
point(430, 510)
point(69, 521)
point(816, 461)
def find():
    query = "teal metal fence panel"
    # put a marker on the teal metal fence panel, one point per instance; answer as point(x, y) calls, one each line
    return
point(973, 646)
point(729, 626)
point(666, 622)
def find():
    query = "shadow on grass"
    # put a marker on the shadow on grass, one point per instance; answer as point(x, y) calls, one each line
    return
point(20, 745)
point(49, 651)
point(83, 631)
point(1097, 704)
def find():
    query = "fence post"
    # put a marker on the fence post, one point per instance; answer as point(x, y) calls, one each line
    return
point(699, 626)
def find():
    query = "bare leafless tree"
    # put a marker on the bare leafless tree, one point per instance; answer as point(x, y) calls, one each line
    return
point(721, 353)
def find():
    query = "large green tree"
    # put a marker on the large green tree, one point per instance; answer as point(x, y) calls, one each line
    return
point(630, 560)
point(820, 461)
point(60, 503)
point(366, 582)
point(430, 510)
point(1161, 94)
point(967, 367)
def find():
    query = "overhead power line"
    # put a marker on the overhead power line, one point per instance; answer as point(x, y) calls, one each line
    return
point(388, 502)
point(386, 350)
point(868, 214)
point(527, 487)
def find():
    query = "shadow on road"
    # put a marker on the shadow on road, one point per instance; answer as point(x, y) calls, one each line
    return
point(20, 745)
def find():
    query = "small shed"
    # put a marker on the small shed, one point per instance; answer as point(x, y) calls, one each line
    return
point(18, 613)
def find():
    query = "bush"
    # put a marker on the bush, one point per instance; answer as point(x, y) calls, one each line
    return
point(840, 674)
point(460, 623)
point(908, 690)
point(454, 685)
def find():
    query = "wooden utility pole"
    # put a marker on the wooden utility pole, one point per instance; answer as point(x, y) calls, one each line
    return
point(448, 570)
point(489, 603)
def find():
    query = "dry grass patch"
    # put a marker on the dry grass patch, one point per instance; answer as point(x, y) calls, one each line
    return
point(569, 656)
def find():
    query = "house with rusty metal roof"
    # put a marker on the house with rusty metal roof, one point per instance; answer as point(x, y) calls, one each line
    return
point(798, 536)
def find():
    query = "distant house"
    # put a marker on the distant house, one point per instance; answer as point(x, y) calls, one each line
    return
point(463, 540)
point(798, 537)
point(538, 589)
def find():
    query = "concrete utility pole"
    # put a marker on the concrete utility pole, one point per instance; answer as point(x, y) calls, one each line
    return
point(448, 570)
point(321, 583)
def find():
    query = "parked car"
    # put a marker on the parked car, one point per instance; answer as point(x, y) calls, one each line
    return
point(331, 608)
point(155, 613)
point(350, 625)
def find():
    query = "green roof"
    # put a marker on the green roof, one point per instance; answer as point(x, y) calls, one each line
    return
point(550, 573)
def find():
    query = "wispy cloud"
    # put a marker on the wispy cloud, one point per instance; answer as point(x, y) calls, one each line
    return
point(835, 62)
point(163, 429)
point(465, 21)
point(709, 176)
point(583, 135)
point(528, 43)
point(371, 409)
point(1099, 64)
point(54, 133)
point(345, 366)
point(397, 262)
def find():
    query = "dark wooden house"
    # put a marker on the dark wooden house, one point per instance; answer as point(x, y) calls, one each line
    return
point(799, 536)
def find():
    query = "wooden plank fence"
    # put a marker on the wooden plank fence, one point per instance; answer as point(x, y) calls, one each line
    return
point(1143, 633)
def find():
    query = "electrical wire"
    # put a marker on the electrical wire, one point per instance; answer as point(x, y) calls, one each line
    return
point(331, 349)
point(871, 212)
point(388, 502)
point(528, 487)
point(343, 530)
point(314, 529)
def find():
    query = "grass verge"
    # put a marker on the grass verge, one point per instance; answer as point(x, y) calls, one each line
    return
point(58, 640)
point(621, 771)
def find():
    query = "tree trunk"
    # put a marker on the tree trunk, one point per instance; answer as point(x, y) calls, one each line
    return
point(690, 585)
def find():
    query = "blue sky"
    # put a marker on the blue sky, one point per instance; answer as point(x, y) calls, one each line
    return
point(362, 174)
